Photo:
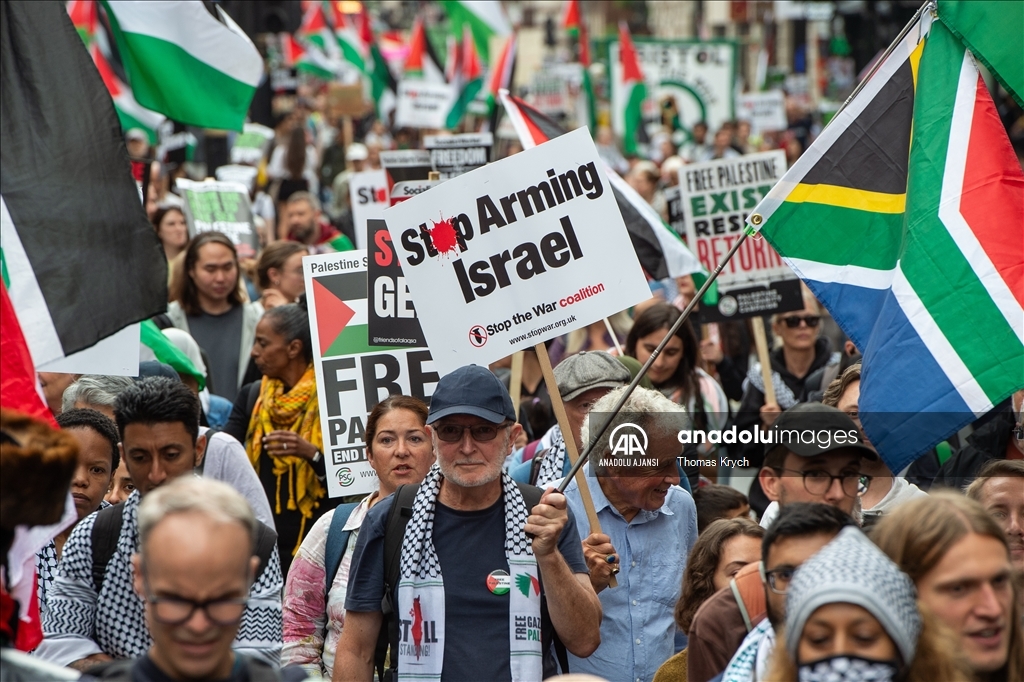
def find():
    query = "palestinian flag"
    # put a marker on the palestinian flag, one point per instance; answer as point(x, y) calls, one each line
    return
point(129, 112)
point(341, 315)
point(572, 22)
point(383, 87)
point(906, 219)
point(658, 248)
point(484, 18)
point(312, 62)
point(468, 78)
point(316, 35)
point(79, 259)
point(165, 351)
point(83, 16)
point(991, 30)
point(422, 63)
point(188, 62)
point(353, 50)
point(628, 98)
point(499, 78)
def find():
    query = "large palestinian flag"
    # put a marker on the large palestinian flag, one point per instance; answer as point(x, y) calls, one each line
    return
point(187, 61)
point(80, 260)
point(658, 248)
point(129, 112)
point(906, 219)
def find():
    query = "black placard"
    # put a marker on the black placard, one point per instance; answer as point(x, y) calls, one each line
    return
point(392, 318)
point(737, 304)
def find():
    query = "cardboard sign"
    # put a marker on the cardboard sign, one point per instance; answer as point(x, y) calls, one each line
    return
point(407, 170)
point(252, 144)
point(221, 207)
point(452, 155)
point(352, 376)
point(766, 111)
point(676, 218)
point(368, 197)
point(345, 99)
point(696, 76)
point(422, 104)
point(393, 320)
point(517, 252)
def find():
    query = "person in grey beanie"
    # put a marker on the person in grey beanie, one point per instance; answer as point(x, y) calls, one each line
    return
point(852, 616)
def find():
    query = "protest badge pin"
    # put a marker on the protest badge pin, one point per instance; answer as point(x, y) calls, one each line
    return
point(499, 582)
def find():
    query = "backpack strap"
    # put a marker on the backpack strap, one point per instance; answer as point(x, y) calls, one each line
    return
point(337, 541)
point(210, 433)
point(748, 590)
point(266, 541)
point(394, 535)
point(106, 530)
point(535, 465)
point(530, 450)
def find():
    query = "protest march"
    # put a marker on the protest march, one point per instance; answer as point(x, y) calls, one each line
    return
point(505, 340)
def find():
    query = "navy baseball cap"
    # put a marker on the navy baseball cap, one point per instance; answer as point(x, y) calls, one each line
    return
point(471, 390)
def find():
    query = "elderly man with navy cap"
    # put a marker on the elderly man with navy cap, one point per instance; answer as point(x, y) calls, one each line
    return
point(487, 569)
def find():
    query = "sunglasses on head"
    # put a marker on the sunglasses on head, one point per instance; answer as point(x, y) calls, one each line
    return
point(793, 321)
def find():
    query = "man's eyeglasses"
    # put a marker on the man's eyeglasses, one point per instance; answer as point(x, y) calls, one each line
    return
point(178, 611)
point(793, 321)
point(778, 579)
point(481, 433)
point(818, 482)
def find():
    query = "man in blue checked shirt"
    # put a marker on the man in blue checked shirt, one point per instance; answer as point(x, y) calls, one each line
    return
point(648, 527)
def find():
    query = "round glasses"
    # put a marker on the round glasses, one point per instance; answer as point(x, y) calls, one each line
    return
point(818, 482)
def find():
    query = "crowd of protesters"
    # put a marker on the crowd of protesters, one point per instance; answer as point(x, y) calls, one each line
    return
point(196, 540)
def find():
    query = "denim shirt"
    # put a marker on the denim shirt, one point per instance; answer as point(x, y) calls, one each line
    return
point(638, 629)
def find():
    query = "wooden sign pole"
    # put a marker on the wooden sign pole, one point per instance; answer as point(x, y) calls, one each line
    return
point(761, 340)
point(570, 441)
point(515, 382)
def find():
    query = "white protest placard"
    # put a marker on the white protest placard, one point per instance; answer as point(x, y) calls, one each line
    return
point(766, 111)
point(698, 76)
point(422, 104)
point(515, 253)
point(716, 198)
point(368, 197)
point(214, 206)
point(351, 375)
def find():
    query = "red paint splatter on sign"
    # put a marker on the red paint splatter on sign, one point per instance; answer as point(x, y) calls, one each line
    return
point(442, 235)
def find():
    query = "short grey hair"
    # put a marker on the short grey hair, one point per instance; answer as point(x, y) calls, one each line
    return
point(95, 389)
point(216, 500)
point(308, 197)
point(643, 408)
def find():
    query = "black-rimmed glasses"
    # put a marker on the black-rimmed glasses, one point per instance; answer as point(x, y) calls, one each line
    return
point(817, 481)
point(177, 611)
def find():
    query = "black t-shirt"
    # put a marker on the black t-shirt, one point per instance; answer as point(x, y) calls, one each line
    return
point(470, 545)
point(145, 670)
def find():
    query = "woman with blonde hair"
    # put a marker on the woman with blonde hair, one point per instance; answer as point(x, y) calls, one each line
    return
point(959, 559)
point(852, 615)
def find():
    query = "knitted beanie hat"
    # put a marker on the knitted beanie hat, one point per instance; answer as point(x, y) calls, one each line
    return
point(852, 570)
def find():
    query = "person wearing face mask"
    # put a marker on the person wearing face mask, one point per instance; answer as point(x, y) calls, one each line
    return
point(399, 450)
point(852, 615)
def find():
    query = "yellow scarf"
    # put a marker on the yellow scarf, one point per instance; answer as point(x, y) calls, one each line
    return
point(297, 410)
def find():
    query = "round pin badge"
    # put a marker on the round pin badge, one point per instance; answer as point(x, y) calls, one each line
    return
point(499, 582)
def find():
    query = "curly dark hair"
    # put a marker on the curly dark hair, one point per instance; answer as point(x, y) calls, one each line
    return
point(97, 421)
point(699, 576)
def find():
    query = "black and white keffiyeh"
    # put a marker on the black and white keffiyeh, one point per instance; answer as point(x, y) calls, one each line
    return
point(552, 464)
point(421, 589)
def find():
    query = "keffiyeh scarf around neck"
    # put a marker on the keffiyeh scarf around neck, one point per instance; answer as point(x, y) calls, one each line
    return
point(552, 465)
point(421, 589)
point(297, 410)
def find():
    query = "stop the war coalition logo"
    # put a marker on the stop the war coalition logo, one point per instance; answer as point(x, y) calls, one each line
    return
point(504, 250)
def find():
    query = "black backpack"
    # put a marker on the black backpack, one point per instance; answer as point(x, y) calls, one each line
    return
point(394, 535)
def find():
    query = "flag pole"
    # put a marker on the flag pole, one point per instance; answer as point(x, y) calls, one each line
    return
point(748, 231)
point(930, 5)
